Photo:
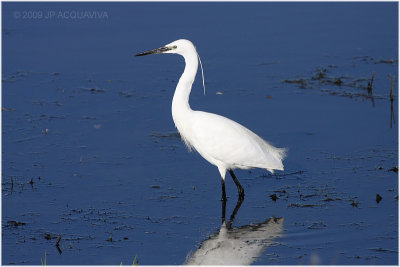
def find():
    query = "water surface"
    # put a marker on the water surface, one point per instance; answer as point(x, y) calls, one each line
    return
point(90, 152)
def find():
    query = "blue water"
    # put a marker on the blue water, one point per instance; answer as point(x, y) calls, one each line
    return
point(94, 123)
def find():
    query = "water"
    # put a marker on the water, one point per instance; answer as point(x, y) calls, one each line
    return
point(90, 152)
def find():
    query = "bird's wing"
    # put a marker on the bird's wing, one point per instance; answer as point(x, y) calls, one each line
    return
point(231, 143)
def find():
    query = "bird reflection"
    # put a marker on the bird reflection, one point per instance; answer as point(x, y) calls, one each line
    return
point(236, 246)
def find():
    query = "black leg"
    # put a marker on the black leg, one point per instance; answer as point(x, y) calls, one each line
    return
point(223, 211)
point(232, 218)
point(238, 185)
point(223, 190)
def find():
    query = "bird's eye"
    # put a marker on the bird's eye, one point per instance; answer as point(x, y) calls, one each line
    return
point(174, 47)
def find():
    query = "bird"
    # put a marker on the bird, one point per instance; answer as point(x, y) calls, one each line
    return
point(221, 141)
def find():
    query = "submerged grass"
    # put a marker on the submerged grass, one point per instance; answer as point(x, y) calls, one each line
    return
point(392, 79)
point(135, 261)
point(340, 85)
point(44, 263)
point(392, 115)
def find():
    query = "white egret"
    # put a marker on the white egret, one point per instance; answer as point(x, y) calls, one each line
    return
point(221, 141)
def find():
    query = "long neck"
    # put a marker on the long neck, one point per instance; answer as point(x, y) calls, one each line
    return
point(180, 102)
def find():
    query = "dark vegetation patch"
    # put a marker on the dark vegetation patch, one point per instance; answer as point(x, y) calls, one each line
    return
point(327, 82)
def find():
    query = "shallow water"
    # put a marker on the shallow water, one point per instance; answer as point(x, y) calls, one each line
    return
point(90, 152)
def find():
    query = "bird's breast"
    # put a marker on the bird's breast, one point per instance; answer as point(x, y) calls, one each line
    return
point(183, 123)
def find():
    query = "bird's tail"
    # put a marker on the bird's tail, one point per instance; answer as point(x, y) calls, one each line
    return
point(282, 153)
point(279, 154)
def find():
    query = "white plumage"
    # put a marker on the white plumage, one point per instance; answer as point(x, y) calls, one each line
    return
point(221, 141)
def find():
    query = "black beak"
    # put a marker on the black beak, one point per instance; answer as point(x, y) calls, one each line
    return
point(154, 51)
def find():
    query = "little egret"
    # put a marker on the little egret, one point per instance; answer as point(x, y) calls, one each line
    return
point(221, 141)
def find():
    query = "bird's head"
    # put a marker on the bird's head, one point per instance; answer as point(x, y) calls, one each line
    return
point(181, 47)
